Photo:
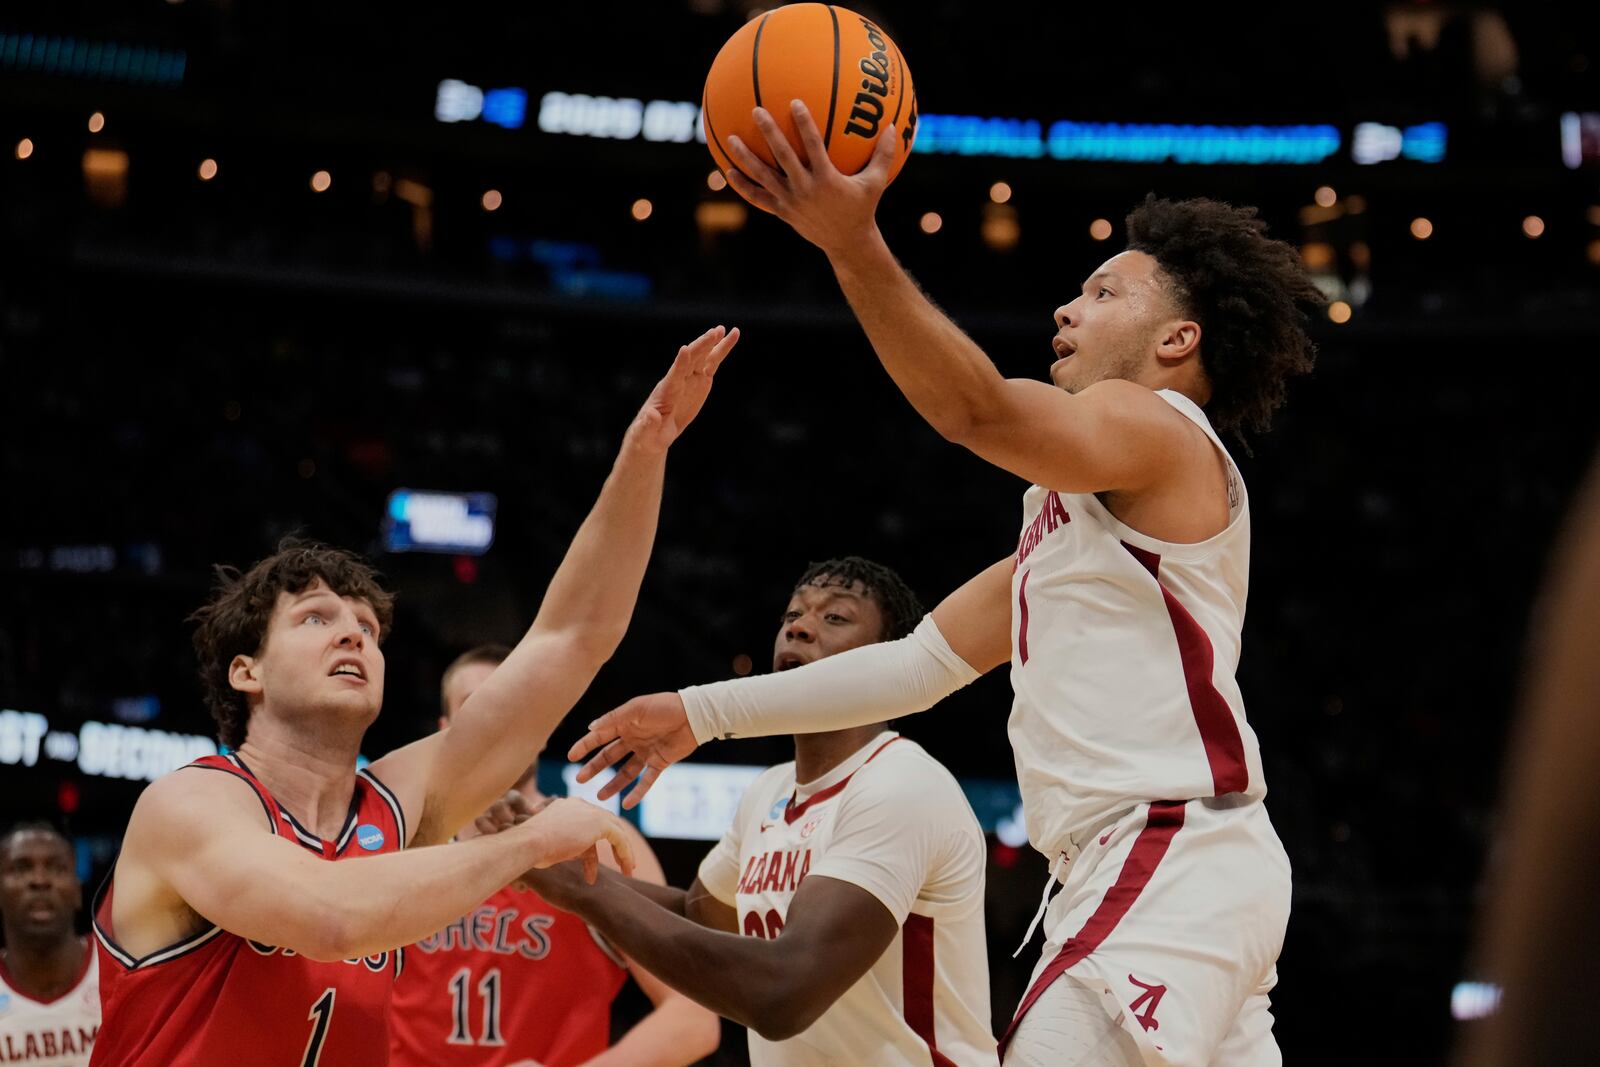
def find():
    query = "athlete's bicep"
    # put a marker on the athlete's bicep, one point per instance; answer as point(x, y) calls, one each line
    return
point(976, 619)
point(833, 934)
point(1114, 436)
point(205, 835)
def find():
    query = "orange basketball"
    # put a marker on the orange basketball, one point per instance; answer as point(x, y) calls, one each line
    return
point(851, 76)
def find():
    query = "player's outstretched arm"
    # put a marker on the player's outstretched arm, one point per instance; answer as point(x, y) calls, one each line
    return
point(196, 846)
point(968, 634)
point(778, 987)
point(1110, 437)
point(456, 773)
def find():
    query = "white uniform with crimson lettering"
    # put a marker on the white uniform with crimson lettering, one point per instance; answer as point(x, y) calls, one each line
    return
point(59, 1032)
point(891, 820)
point(1140, 775)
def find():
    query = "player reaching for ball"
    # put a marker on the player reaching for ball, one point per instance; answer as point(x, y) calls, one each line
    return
point(1120, 611)
point(232, 931)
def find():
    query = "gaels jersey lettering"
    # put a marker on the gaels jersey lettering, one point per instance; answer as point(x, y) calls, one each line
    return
point(217, 998)
point(512, 980)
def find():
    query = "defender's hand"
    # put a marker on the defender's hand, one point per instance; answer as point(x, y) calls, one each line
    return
point(513, 809)
point(568, 829)
point(679, 396)
point(645, 736)
point(833, 211)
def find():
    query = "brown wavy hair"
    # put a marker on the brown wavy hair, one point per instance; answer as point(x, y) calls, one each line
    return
point(1250, 293)
point(233, 622)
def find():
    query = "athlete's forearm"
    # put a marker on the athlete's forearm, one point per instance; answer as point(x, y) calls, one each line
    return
point(676, 1033)
point(745, 979)
point(865, 685)
point(384, 902)
point(945, 375)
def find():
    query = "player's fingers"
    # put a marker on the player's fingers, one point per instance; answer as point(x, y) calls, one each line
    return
point(647, 778)
point(591, 865)
point(782, 150)
point(621, 848)
point(602, 759)
point(720, 352)
point(752, 167)
point(876, 172)
point(626, 773)
point(817, 157)
point(601, 733)
point(753, 192)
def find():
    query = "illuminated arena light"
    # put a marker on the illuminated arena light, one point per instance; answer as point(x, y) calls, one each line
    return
point(101, 60)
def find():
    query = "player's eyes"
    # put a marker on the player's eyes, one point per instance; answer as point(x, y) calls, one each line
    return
point(838, 618)
point(1103, 292)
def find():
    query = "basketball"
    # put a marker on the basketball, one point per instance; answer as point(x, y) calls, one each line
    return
point(848, 72)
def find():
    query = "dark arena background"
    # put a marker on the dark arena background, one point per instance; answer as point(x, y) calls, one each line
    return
point(275, 267)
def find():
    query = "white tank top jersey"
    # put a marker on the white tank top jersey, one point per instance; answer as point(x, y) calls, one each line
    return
point(51, 1033)
point(891, 820)
point(1123, 654)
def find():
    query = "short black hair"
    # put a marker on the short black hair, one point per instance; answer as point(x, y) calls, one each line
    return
point(32, 826)
point(900, 607)
point(1250, 294)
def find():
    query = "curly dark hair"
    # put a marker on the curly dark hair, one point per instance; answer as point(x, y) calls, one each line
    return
point(234, 621)
point(900, 607)
point(1250, 294)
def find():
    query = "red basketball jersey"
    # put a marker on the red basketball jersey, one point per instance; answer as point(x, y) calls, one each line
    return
point(513, 979)
point(215, 999)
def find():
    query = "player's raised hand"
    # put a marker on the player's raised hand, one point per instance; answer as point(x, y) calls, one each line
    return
point(568, 829)
point(641, 739)
point(833, 211)
point(512, 809)
point(678, 397)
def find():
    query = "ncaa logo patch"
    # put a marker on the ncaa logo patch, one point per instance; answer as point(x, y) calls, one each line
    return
point(369, 837)
point(777, 808)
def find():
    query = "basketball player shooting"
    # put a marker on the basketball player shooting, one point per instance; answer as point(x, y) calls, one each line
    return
point(226, 934)
point(1120, 610)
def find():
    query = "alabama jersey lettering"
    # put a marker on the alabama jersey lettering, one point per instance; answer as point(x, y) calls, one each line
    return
point(512, 980)
point(1123, 657)
point(890, 820)
point(59, 1032)
point(215, 998)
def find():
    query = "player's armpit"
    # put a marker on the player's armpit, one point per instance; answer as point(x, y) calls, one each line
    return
point(1114, 436)
point(976, 619)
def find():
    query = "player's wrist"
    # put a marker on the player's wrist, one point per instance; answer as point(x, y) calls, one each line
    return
point(862, 253)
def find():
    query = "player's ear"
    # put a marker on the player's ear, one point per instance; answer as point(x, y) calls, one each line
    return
point(244, 675)
point(1180, 339)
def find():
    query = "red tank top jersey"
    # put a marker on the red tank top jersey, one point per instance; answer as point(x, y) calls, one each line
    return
point(215, 999)
point(511, 980)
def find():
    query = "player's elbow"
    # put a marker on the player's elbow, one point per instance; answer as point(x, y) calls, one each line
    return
point(326, 937)
point(786, 1010)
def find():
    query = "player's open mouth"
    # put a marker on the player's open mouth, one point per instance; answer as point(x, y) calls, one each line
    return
point(789, 661)
point(348, 670)
point(1063, 347)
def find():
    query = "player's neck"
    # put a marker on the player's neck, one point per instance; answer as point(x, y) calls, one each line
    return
point(312, 777)
point(817, 754)
point(44, 968)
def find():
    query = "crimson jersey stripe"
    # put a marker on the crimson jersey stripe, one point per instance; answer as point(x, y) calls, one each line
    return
point(794, 811)
point(1022, 618)
point(1162, 823)
point(1218, 730)
point(916, 976)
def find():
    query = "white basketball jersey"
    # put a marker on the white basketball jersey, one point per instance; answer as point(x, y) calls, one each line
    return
point(52, 1033)
point(1123, 656)
point(891, 820)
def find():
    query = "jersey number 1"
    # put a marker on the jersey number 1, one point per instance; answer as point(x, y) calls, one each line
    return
point(489, 990)
point(321, 1014)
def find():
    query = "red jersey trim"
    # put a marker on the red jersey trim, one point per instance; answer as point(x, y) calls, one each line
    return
point(83, 969)
point(1219, 733)
point(793, 811)
point(1161, 825)
point(387, 796)
point(917, 973)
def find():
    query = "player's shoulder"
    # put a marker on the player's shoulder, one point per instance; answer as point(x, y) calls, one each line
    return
point(195, 793)
point(903, 768)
